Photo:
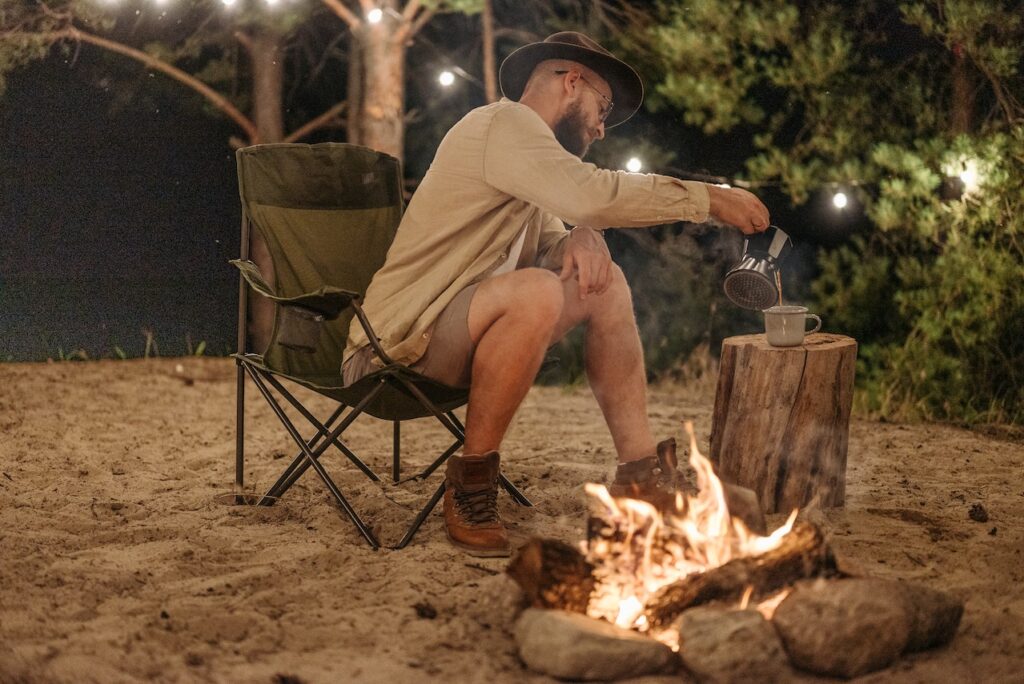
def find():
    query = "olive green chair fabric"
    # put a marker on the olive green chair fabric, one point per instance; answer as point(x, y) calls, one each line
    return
point(328, 214)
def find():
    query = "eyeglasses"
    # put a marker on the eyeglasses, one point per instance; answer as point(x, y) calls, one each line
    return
point(608, 101)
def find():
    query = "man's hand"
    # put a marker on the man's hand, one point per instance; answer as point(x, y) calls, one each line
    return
point(739, 208)
point(587, 255)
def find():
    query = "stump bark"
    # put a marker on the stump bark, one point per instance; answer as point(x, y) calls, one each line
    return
point(781, 419)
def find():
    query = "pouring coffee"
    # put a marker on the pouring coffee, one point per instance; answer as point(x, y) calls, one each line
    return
point(756, 281)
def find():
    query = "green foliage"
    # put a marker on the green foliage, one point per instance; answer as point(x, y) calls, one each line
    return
point(865, 95)
point(938, 300)
point(74, 355)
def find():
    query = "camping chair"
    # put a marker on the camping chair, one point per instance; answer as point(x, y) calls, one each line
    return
point(328, 214)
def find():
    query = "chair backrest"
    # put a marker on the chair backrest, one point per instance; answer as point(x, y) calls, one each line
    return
point(328, 214)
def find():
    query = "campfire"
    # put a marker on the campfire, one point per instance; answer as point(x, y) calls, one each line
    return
point(638, 552)
point(657, 579)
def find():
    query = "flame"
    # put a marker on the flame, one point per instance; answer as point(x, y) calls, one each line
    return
point(637, 551)
point(768, 606)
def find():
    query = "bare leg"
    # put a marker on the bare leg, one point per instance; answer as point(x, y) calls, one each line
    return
point(511, 320)
point(614, 362)
point(514, 317)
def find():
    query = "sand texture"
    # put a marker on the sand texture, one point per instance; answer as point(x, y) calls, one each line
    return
point(117, 564)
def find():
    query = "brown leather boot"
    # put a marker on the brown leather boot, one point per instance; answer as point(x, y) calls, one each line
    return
point(653, 479)
point(471, 506)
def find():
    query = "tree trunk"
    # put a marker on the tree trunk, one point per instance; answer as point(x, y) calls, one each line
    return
point(963, 93)
point(267, 59)
point(266, 55)
point(781, 419)
point(377, 87)
point(490, 74)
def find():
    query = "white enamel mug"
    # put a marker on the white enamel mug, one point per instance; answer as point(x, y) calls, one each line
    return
point(785, 326)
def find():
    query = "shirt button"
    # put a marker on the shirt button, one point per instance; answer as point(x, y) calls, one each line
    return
point(504, 255)
point(425, 335)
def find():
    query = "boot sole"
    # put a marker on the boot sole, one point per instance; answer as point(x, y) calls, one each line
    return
point(477, 552)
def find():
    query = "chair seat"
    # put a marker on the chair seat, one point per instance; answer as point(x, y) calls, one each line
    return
point(394, 402)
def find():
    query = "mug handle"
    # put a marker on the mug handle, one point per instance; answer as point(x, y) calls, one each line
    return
point(817, 325)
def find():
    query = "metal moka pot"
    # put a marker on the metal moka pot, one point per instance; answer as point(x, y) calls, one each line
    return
point(753, 283)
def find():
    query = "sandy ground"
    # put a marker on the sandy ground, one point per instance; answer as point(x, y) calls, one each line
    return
point(118, 564)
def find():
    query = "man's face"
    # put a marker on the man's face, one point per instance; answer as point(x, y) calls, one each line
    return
point(583, 121)
point(572, 130)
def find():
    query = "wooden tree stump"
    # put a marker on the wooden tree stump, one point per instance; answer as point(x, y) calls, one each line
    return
point(782, 418)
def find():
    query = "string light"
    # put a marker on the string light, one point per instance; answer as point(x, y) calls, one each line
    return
point(446, 78)
point(970, 176)
point(375, 15)
point(634, 165)
point(228, 3)
point(840, 200)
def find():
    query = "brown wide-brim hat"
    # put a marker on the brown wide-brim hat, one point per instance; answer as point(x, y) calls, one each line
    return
point(627, 88)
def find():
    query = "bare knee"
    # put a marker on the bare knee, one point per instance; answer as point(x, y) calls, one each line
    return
point(537, 296)
point(617, 300)
point(618, 287)
point(530, 299)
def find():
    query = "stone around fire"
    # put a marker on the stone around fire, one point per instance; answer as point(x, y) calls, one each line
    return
point(726, 645)
point(574, 646)
point(844, 628)
point(935, 615)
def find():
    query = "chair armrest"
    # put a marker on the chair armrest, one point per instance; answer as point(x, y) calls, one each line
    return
point(328, 301)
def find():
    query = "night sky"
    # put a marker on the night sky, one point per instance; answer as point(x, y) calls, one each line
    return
point(92, 201)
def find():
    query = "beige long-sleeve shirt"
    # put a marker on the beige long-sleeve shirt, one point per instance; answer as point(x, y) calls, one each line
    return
point(500, 171)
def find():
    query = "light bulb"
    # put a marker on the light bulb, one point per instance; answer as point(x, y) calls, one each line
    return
point(375, 15)
point(840, 200)
point(634, 165)
point(446, 78)
point(969, 176)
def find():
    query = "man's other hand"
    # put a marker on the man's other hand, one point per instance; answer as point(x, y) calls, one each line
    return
point(586, 255)
point(739, 208)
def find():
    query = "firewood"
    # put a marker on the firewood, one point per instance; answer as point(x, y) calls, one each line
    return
point(803, 553)
point(553, 574)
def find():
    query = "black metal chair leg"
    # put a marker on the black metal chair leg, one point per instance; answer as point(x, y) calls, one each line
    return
point(514, 492)
point(314, 461)
point(323, 430)
point(396, 461)
point(421, 517)
point(425, 473)
point(298, 469)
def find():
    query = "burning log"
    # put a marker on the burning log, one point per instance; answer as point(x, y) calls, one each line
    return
point(781, 419)
point(553, 574)
point(802, 553)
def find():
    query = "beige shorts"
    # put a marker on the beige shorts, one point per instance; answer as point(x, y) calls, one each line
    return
point(449, 355)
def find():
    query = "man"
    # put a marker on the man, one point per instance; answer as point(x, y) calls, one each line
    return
point(483, 275)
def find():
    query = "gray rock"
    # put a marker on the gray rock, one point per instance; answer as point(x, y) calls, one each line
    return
point(934, 615)
point(744, 504)
point(724, 645)
point(574, 646)
point(844, 628)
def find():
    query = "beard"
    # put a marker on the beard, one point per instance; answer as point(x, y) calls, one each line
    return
point(571, 131)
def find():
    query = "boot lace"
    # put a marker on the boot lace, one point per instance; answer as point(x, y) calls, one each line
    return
point(478, 507)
